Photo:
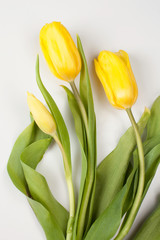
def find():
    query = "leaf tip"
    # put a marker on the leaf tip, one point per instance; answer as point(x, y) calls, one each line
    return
point(147, 110)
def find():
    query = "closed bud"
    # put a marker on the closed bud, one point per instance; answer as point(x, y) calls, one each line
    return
point(41, 115)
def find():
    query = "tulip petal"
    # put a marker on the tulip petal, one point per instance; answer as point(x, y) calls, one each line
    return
point(63, 51)
point(119, 78)
point(105, 83)
point(60, 51)
point(124, 56)
point(72, 48)
point(44, 47)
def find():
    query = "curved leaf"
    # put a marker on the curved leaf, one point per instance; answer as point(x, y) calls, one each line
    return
point(153, 126)
point(106, 225)
point(152, 160)
point(40, 192)
point(61, 127)
point(28, 148)
point(87, 98)
point(50, 226)
point(150, 229)
point(76, 115)
point(80, 134)
point(112, 170)
point(109, 221)
point(14, 167)
point(33, 154)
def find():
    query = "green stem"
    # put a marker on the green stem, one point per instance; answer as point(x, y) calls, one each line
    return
point(137, 201)
point(90, 174)
point(69, 180)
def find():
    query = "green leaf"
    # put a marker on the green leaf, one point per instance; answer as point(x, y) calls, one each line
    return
point(81, 189)
point(151, 163)
point(112, 170)
point(76, 115)
point(50, 226)
point(83, 85)
point(80, 134)
point(150, 229)
point(151, 145)
point(61, 127)
point(87, 99)
point(40, 192)
point(111, 217)
point(31, 134)
point(152, 159)
point(86, 89)
point(153, 126)
point(39, 189)
point(28, 148)
point(106, 225)
point(33, 154)
point(14, 167)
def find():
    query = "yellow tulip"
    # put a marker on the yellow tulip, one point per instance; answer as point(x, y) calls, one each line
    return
point(115, 73)
point(41, 115)
point(60, 51)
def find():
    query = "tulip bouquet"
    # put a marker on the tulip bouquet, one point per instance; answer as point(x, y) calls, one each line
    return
point(110, 194)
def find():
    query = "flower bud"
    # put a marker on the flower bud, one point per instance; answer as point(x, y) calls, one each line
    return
point(41, 115)
point(60, 51)
point(115, 73)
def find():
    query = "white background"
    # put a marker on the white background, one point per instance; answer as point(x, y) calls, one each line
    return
point(102, 24)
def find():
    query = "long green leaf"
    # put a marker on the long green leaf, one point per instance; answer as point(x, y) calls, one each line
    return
point(61, 127)
point(33, 154)
point(76, 115)
point(86, 88)
point(112, 170)
point(106, 225)
point(151, 145)
point(111, 220)
point(30, 148)
point(151, 151)
point(150, 230)
point(152, 160)
point(153, 126)
point(38, 186)
point(80, 134)
point(152, 156)
point(40, 192)
point(153, 142)
point(50, 226)
point(31, 134)
point(87, 99)
point(14, 167)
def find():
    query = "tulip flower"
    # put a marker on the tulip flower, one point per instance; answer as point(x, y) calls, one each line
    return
point(41, 115)
point(46, 123)
point(115, 73)
point(60, 51)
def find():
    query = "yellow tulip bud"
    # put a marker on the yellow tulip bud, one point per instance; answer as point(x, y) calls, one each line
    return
point(115, 73)
point(60, 51)
point(41, 115)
